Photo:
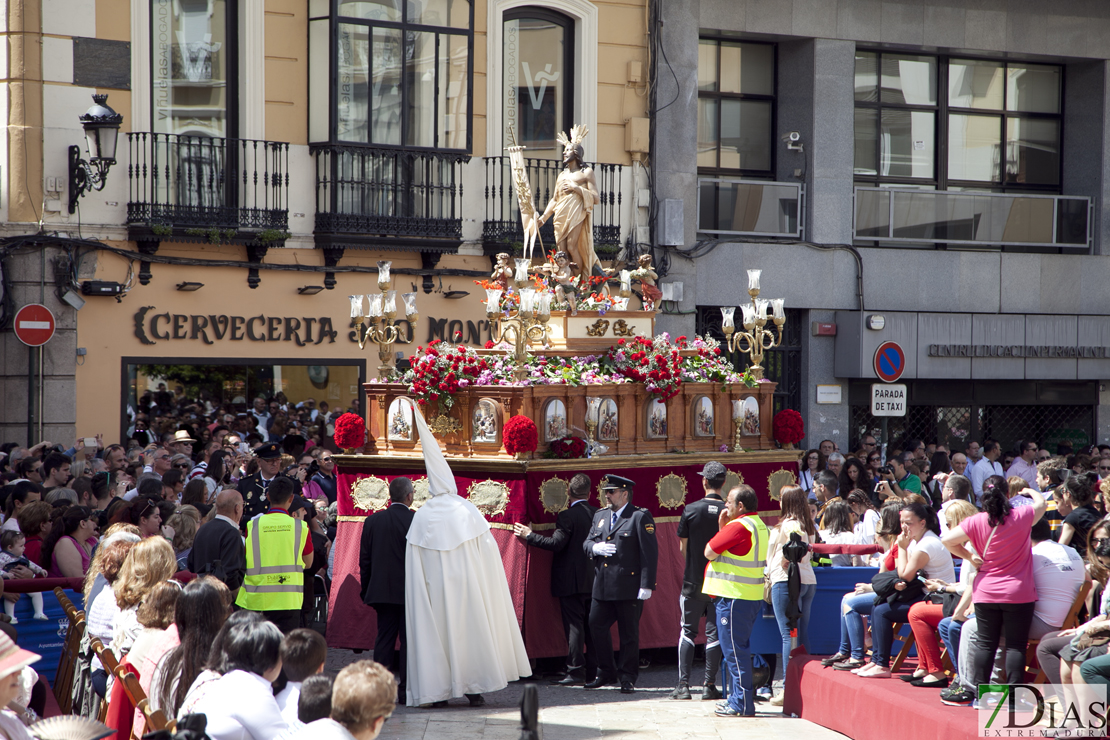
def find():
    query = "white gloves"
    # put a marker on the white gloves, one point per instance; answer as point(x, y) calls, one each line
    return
point(644, 595)
point(604, 549)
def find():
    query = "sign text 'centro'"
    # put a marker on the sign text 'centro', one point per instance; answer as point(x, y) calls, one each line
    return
point(1017, 350)
point(152, 327)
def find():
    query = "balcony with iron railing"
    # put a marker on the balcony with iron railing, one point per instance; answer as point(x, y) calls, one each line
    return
point(905, 216)
point(207, 189)
point(373, 197)
point(729, 206)
point(502, 230)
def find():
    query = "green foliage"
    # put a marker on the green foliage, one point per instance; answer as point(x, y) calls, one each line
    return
point(267, 236)
point(162, 230)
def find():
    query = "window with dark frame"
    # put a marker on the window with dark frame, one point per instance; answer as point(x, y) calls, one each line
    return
point(401, 73)
point(736, 108)
point(949, 123)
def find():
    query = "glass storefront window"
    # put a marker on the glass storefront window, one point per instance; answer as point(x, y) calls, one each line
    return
point(170, 395)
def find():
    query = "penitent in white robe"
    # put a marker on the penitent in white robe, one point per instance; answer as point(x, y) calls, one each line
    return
point(463, 633)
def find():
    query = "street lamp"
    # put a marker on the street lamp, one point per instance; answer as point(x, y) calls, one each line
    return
point(754, 317)
point(383, 308)
point(101, 125)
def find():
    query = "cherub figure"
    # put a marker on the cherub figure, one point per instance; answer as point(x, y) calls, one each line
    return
point(647, 277)
point(566, 282)
point(502, 271)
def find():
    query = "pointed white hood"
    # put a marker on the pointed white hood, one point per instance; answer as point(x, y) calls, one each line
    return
point(446, 520)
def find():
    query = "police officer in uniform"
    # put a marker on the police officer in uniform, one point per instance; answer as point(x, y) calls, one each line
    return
point(255, 487)
point(622, 545)
point(279, 548)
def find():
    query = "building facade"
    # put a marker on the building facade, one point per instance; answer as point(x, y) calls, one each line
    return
point(934, 174)
point(272, 152)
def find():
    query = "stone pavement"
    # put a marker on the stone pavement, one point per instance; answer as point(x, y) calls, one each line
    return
point(573, 713)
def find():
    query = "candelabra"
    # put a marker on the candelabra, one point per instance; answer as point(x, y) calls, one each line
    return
point(523, 324)
point(754, 318)
point(383, 309)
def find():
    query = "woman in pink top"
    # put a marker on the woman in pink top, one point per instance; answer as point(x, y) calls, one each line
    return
point(1004, 592)
point(68, 548)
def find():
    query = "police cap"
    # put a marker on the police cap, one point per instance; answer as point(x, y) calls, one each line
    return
point(612, 482)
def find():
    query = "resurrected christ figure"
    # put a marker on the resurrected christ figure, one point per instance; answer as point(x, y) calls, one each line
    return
point(572, 204)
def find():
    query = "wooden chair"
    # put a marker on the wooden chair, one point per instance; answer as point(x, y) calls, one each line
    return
point(1070, 621)
point(907, 644)
point(155, 719)
point(111, 665)
point(67, 664)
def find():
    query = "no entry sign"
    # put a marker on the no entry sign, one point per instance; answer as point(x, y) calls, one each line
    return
point(34, 325)
point(890, 362)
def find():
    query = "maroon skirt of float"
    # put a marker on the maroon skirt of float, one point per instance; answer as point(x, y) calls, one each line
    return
point(533, 492)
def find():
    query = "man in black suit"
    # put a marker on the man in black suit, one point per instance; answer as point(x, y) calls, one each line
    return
point(625, 553)
point(254, 487)
point(381, 563)
point(572, 577)
point(218, 547)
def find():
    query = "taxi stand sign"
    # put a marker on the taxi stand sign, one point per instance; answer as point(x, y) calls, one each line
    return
point(888, 399)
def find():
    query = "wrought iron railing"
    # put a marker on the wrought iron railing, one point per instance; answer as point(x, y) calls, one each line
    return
point(502, 227)
point(368, 192)
point(733, 206)
point(183, 182)
point(982, 219)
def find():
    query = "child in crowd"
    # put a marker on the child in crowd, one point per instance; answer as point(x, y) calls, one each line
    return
point(13, 543)
point(303, 653)
point(315, 701)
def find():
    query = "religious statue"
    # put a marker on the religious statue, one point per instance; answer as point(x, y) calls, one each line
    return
point(571, 205)
point(502, 271)
point(647, 277)
point(566, 282)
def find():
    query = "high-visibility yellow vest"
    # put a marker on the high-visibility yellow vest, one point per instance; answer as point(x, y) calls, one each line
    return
point(275, 571)
point(740, 577)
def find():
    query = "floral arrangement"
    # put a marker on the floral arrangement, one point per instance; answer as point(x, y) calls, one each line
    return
point(440, 370)
point(654, 362)
point(350, 431)
point(788, 427)
point(567, 448)
point(443, 370)
point(520, 435)
point(708, 365)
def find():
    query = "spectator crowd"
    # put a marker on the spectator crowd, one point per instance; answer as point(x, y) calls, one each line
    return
point(154, 530)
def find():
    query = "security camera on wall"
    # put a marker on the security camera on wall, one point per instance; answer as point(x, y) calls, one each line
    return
point(793, 141)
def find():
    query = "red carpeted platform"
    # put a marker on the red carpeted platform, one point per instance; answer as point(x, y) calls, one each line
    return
point(872, 709)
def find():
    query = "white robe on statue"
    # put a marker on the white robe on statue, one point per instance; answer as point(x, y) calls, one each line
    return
point(463, 633)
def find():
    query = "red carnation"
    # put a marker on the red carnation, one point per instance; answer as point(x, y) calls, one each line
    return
point(788, 427)
point(520, 435)
point(350, 431)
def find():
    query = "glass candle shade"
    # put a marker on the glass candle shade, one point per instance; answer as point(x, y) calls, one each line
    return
point(383, 273)
point(527, 300)
point(493, 301)
point(521, 274)
point(777, 310)
point(390, 304)
point(753, 279)
point(410, 306)
point(749, 317)
point(727, 318)
point(356, 306)
point(374, 300)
